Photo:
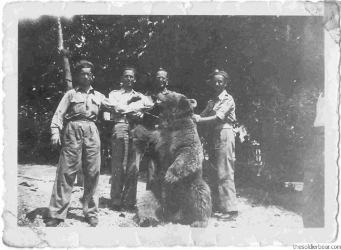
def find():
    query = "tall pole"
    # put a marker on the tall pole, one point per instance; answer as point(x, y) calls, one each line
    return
point(68, 81)
point(66, 64)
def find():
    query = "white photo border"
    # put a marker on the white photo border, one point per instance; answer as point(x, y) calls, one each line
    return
point(115, 236)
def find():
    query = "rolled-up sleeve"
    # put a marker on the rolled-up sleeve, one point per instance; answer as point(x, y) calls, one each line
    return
point(225, 108)
point(58, 117)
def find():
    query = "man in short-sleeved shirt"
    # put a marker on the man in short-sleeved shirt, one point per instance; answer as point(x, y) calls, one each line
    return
point(223, 107)
point(219, 115)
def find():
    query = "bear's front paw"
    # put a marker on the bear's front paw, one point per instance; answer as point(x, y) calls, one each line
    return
point(170, 178)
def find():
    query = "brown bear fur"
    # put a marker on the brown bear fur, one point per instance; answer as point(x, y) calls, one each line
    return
point(177, 192)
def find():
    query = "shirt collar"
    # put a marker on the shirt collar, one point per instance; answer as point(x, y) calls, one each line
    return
point(123, 91)
point(91, 89)
point(165, 91)
point(222, 95)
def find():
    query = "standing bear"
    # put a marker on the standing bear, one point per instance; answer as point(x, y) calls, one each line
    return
point(177, 193)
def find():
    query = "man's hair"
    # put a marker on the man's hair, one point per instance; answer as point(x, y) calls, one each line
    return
point(130, 68)
point(220, 72)
point(162, 69)
point(83, 64)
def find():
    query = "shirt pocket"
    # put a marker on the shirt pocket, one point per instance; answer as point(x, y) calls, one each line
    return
point(77, 104)
point(95, 105)
point(96, 101)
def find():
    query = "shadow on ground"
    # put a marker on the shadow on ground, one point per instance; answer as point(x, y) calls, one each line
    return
point(104, 202)
point(261, 193)
point(41, 211)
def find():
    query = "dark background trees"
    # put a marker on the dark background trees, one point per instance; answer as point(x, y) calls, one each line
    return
point(276, 66)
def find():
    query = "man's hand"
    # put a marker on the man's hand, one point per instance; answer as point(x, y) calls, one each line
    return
point(139, 114)
point(55, 141)
point(196, 118)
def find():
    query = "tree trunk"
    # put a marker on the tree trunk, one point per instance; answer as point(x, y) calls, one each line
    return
point(68, 83)
point(66, 64)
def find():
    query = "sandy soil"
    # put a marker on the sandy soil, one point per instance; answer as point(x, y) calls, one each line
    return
point(256, 207)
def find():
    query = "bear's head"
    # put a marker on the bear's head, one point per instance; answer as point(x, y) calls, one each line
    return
point(176, 106)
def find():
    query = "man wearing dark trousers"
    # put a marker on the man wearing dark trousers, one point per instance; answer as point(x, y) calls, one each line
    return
point(151, 120)
point(125, 161)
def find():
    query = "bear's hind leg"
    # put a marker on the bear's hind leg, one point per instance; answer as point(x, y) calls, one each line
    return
point(148, 209)
point(198, 205)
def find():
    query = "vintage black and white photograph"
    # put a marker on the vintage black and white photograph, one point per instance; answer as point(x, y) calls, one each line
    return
point(200, 126)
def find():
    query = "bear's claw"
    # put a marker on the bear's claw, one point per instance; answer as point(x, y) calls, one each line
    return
point(170, 178)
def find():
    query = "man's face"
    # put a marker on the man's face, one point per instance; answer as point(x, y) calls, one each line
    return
point(128, 79)
point(161, 79)
point(85, 77)
point(218, 84)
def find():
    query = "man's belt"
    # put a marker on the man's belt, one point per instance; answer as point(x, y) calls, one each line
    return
point(224, 125)
point(76, 119)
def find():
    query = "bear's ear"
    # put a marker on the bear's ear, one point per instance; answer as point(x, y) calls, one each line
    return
point(192, 103)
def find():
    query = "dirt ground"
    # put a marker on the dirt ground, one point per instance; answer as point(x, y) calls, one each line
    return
point(256, 207)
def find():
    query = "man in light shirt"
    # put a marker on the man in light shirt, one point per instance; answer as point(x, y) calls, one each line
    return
point(219, 115)
point(125, 161)
point(73, 127)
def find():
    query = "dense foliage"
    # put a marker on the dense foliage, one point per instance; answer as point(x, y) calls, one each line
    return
point(275, 64)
